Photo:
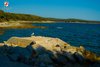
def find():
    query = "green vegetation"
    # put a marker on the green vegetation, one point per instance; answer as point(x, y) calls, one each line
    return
point(5, 16)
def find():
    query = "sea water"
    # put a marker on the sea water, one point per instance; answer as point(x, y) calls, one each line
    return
point(76, 34)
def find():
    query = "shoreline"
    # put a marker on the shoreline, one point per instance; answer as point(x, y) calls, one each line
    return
point(30, 22)
point(18, 24)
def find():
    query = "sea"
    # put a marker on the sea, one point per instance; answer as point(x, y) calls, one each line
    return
point(76, 34)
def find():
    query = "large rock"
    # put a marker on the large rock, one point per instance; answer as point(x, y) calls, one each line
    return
point(79, 58)
point(5, 62)
point(69, 56)
point(13, 57)
point(46, 52)
point(3, 58)
point(43, 60)
point(22, 51)
point(60, 59)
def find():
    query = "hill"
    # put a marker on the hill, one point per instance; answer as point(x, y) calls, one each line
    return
point(5, 16)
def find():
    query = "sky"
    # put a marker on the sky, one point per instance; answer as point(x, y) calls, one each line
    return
point(79, 9)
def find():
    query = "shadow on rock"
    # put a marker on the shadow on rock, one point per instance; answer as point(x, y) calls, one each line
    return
point(41, 57)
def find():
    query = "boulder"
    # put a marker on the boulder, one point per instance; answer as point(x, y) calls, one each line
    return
point(45, 58)
point(60, 59)
point(13, 57)
point(39, 49)
point(22, 51)
point(5, 62)
point(79, 57)
point(42, 65)
point(29, 48)
point(3, 58)
point(69, 56)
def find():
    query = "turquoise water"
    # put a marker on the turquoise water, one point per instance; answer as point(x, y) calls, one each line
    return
point(87, 35)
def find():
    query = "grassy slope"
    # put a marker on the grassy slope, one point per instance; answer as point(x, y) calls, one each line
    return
point(4, 16)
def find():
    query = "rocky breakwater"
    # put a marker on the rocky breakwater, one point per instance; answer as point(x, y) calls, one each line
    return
point(38, 51)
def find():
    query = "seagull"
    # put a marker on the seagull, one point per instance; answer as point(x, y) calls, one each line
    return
point(32, 34)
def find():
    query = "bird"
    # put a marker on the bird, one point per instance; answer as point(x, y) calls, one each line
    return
point(32, 34)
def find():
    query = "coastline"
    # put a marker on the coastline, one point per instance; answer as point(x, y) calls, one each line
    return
point(18, 24)
point(30, 22)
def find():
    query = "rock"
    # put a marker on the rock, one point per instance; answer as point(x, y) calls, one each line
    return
point(45, 58)
point(4, 49)
point(13, 57)
point(95, 65)
point(79, 57)
point(68, 64)
point(39, 49)
point(3, 58)
point(44, 52)
point(5, 62)
point(60, 59)
point(90, 56)
point(69, 56)
point(78, 65)
point(22, 51)
point(57, 48)
point(42, 65)
point(29, 48)
point(50, 66)
point(82, 48)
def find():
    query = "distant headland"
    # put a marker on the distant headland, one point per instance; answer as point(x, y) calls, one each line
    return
point(27, 18)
